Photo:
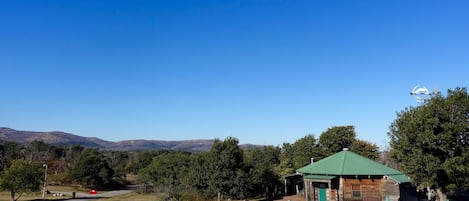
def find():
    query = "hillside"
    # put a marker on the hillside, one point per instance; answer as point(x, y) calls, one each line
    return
point(62, 138)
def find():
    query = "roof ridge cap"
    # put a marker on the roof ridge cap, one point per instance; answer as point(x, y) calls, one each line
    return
point(342, 163)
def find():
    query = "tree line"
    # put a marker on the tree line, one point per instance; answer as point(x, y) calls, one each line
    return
point(428, 142)
point(225, 171)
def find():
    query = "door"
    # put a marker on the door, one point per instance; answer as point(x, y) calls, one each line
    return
point(322, 194)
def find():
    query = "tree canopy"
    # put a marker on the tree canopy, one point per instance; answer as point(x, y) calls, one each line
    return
point(227, 160)
point(169, 172)
point(336, 138)
point(430, 142)
point(22, 176)
point(92, 170)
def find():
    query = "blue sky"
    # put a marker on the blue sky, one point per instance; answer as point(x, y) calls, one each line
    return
point(264, 71)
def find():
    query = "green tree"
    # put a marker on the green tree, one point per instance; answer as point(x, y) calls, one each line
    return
point(366, 149)
point(21, 176)
point(263, 178)
point(304, 149)
point(297, 155)
point(118, 160)
point(201, 174)
point(430, 142)
point(335, 139)
point(226, 161)
point(92, 170)
point(142, 159)
point(286, 165)
point(169, 173)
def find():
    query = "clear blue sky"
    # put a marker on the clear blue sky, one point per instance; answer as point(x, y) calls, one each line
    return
point(264, 71)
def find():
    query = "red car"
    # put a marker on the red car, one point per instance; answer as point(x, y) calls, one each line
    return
point(93, 191)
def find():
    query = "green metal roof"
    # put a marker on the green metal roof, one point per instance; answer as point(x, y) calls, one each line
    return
point(349, 163)
point(400, 178)
point(324, 177)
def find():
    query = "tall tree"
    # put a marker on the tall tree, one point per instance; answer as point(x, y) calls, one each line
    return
point(169, 173)
point(336, 138)
point(304, 149)
point(92, 170)
point(430, 142)
point(298, 154)
point(286, 165)
point(22, 176)
point(366, 149)
point(118, 160)
point(263, 178)
point(227, 160)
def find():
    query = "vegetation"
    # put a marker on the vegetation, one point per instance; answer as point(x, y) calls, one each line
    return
point(22, 176)
point(227, 171)
point(92, 170)
point(169, 172)
point(224, 172)
point(430, 142)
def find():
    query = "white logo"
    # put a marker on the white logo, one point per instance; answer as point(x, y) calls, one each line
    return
point(420, 93)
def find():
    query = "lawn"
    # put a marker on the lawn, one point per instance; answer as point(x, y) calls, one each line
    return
point(31, 197)
point(36, 196)
point(133, 196)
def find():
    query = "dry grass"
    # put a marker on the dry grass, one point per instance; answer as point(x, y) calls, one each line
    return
point(133, 197)
point(31, 197)
point(4, 196)
point(38, 195)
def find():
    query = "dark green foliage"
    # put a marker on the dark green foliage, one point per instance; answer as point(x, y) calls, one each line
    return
point(118, 161)
point(142, 159)
point(9, 151)
point(297, 155)
point(263, 179)
point(430, 142)
point(335, 139)
point(201, 174)
point(233, 173)
point(92, 170)
point(303, 150)
point(227, 160)
point(168, 173)
point(286, 165)
point(21, 176)
point(366, 149)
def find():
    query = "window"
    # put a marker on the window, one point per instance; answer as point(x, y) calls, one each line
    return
point(356, 191)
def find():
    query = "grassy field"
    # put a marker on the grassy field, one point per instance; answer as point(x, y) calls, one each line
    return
point(31, 197)
point(38, 195)
point(5, 196)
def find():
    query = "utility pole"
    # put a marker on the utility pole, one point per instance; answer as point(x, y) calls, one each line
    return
point(45, 180)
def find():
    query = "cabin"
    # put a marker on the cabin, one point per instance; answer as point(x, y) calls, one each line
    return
point(347, 176)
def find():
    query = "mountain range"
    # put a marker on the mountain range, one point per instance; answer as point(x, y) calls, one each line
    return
point(62, 138)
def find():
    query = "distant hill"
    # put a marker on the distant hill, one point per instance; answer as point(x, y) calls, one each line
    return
point(62, 138)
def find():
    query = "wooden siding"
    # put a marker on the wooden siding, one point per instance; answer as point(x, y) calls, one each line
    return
point(340, 189)
point(369, 189)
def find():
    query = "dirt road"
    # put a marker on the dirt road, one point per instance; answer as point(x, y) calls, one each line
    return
point(87, 197)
